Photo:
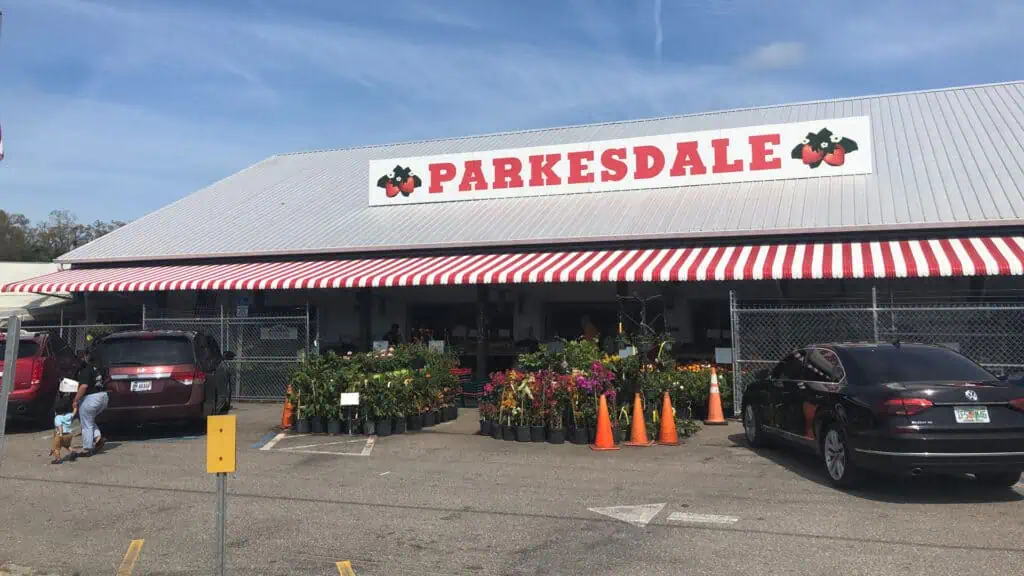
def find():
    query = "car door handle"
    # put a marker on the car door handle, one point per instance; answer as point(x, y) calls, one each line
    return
point(801, 385)
point(778, 384)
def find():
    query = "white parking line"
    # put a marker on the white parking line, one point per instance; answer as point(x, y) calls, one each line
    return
point(272, 445)
point(701, 518)
point(278, 438)
point(304, 446)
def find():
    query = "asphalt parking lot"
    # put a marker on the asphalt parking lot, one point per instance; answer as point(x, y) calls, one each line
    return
point(447, 502)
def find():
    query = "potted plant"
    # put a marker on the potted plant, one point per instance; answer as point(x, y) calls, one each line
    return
point(334, 420)
point(304, 425)
point(622, 425)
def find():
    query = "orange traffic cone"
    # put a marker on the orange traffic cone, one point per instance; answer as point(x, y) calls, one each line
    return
point(603, 440)
point(668, 436)
point(715, 415)
point(288, 413)
point(638, 433)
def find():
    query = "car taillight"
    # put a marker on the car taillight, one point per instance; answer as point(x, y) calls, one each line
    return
point(906, 406)
point(37, 371)
point(1017, 403)
point(189, 378)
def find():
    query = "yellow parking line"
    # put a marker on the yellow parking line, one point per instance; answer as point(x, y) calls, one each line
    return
point(345, 568)
point(130, 558)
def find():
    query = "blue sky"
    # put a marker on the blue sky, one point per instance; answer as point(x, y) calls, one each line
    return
point(114, 108)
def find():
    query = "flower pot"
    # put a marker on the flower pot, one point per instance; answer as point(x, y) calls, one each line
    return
point(428, 419)
point(536, 433)
point(495, 430)
point(442, 415)
point(437, 417)
point(334, 426)
point(522, 433)
point(368, 427)
point(556, 435)
point(295, 422)
point(384, 427)
point(453, 412)
point(619, 433)
point(485, 427)
point(318, 425)
point(415, 422)
point(508, 433)
point(591, 434)
point(400, 425)
point(303, 426)
point(578, 435)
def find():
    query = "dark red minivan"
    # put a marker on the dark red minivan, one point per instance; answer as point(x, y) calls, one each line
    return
point(44, 359)
point(163, 375)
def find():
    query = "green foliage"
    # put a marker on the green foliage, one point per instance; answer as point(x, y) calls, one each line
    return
point(20, 241)
point(580, 354)
point(542, 359)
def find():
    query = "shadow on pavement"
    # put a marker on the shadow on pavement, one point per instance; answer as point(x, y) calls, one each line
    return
point(940, 489)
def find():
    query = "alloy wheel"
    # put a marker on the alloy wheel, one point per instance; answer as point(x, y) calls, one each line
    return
point(750, 424)
point(835, 455)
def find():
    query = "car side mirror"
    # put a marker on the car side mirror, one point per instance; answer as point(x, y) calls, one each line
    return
point(229, 356)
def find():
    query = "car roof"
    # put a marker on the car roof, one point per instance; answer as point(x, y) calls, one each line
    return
point(861, 345)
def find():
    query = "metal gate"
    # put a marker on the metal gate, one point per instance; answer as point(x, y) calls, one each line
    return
point(991, 334)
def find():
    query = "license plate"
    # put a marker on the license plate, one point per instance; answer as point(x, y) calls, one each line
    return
point(142, 386)
point(971, 414)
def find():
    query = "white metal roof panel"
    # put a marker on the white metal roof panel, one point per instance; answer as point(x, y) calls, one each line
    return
point(942, 158)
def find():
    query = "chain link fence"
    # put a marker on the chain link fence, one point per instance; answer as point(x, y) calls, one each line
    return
point(266, 348)
point(991, 334)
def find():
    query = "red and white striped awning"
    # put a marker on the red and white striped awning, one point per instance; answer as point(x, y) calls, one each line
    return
point(978, 256)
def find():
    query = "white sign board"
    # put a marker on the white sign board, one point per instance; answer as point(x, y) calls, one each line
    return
point(279, 332)
point(723, 355)
point(833, 147)
point(242, 311)
point(627, 352)
point(380, 345)
point(436, 346)
point(350, 398)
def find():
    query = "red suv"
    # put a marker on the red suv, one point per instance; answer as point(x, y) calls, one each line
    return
point(163, 375)
point(44, 359)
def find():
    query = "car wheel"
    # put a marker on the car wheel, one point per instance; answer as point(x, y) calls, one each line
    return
point(1005, 479)
point(227, 400)
point(836, 456)
point(752, 430)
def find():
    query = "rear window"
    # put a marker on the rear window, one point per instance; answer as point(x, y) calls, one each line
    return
point(885, 364)
point(26, 349)
point(159, 350)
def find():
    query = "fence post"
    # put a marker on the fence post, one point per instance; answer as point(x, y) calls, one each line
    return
point(143, 315)
point(307, 329)
point(737, 393)
point(874, 309)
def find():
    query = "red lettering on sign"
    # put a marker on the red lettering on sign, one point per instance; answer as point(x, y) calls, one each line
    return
point(614, 162)
point(761, 152)
point(722, 164)
point(542, 171)
point(473, 177)
point(687, 156)
point(439, 174)
point(506, 173)
point(579, 172)
point(650, 161)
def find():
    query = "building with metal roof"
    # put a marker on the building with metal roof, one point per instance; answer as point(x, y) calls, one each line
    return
point(940, 159)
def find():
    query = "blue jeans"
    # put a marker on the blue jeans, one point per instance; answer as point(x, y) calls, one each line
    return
point(88, 409)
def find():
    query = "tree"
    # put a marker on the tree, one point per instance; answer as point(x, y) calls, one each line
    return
point(44, 242)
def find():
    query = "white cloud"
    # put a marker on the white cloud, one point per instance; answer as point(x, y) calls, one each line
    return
point(776, 55)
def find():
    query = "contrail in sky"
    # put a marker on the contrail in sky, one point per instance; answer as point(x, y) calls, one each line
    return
point(658, 36)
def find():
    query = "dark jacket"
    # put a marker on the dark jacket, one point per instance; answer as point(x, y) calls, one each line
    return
point(88, 374)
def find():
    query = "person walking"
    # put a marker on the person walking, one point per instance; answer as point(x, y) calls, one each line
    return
point(90, 400)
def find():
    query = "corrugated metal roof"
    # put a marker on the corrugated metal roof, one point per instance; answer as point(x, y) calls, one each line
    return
point(942, 158)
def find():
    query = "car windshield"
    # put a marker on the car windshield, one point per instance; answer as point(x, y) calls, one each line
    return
point(885, 364)
point(149, 351)
point(26, 349)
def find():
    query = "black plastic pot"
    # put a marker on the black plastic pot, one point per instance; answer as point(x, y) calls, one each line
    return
point(485, 427)
point(318, 425)
point(415, 422)
point(453, 412)
point(508, 433)
point(522, 433)
point(495, 430)
point(368, 427)
point(428, 419)
point(578, 435)
point(400, 425)
point(303, 426)
point(536, 433)
point(334, 426)
point(384, 427)
point(295, 422)
point(556, 435)
point(437, 417)
point(619, 434)
point(591, 434)
point(441, 415)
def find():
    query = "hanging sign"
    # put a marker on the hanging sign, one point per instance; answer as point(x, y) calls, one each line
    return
point(835, 147)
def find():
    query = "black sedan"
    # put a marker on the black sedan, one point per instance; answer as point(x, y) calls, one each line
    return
point(900, 408)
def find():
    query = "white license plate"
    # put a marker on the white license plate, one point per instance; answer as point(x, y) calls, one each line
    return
point(971, 414)
point(142, 386)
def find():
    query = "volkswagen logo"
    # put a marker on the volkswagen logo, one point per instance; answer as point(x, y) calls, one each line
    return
point(971, 395)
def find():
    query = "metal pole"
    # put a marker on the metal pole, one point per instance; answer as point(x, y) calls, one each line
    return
point(143, 315)
point(62, 322)
point(307, 327)
point(222, 511)
point(7, 384)
point(734, 319)
point(874, 309)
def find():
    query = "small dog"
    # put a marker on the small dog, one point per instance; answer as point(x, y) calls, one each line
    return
point(62, 428)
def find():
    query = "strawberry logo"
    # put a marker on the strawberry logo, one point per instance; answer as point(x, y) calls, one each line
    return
point(399, 181)
point(823, 147)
